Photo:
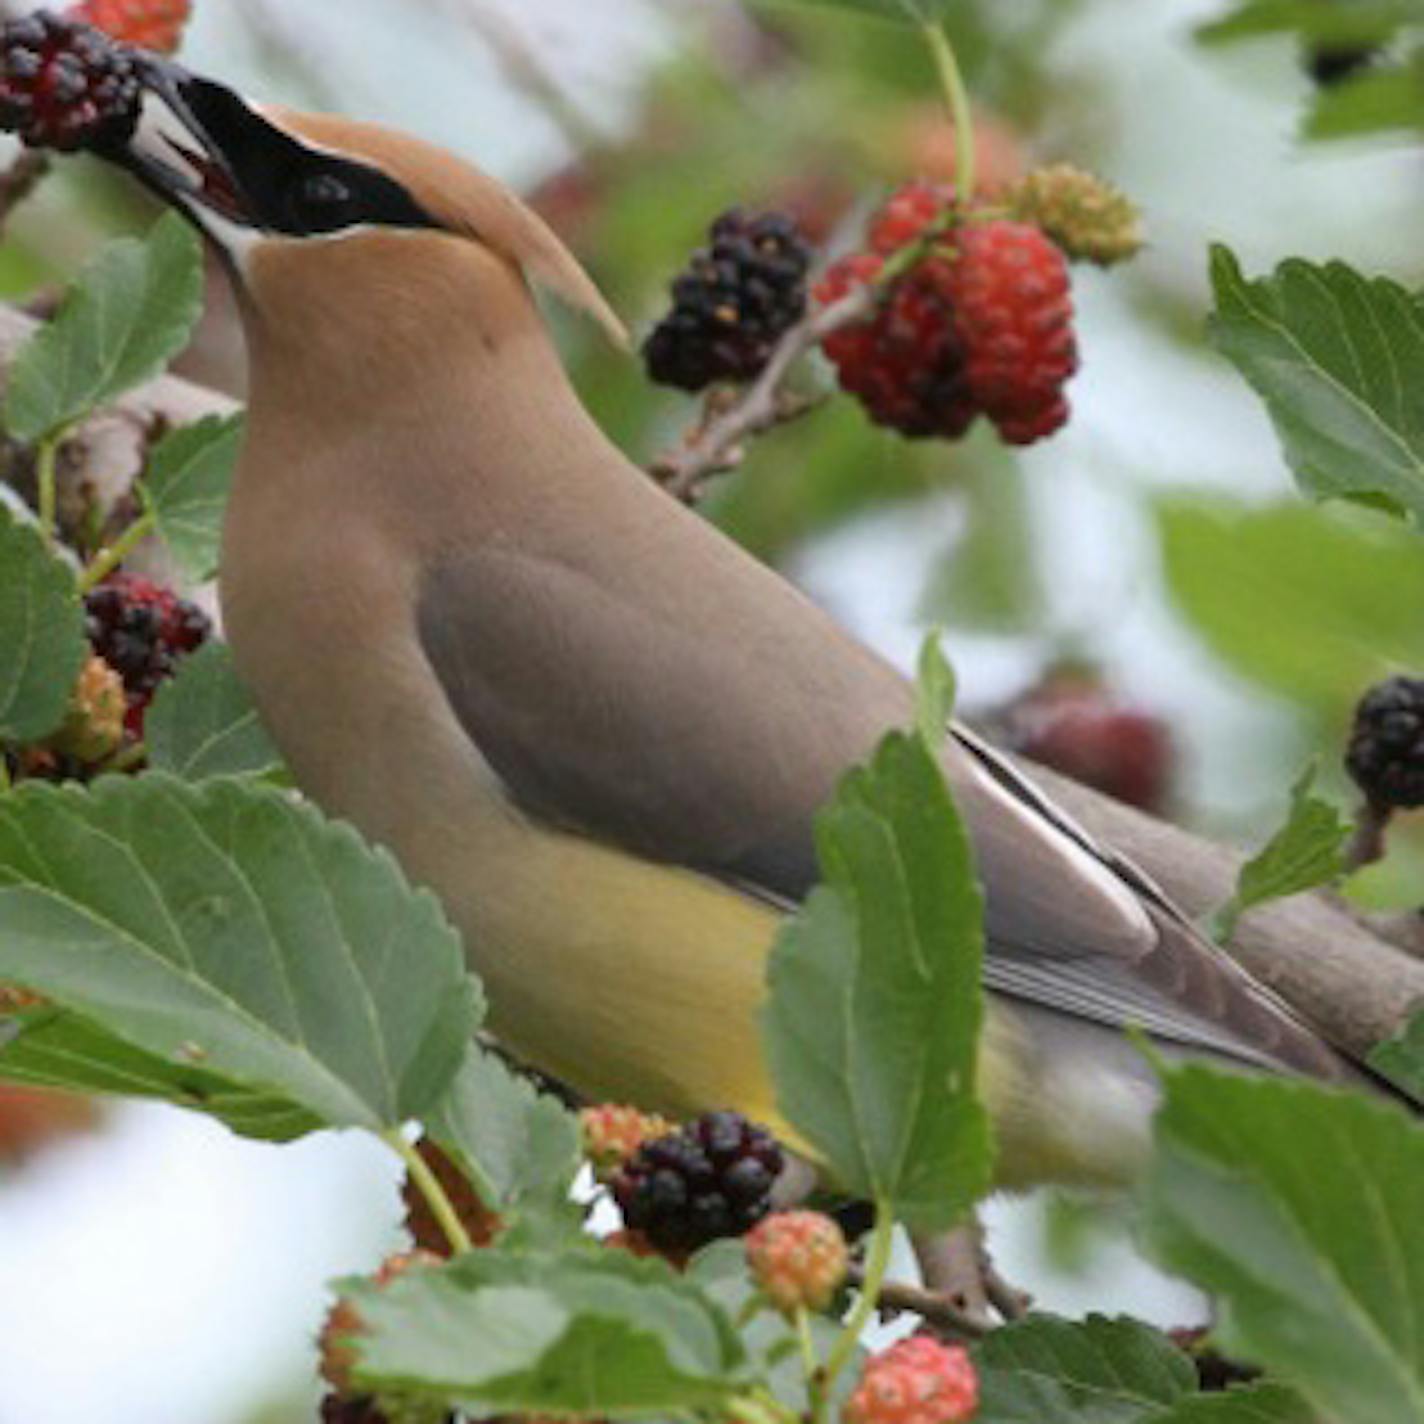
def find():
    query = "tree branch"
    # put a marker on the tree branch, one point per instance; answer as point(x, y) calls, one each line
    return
point(1353, 985)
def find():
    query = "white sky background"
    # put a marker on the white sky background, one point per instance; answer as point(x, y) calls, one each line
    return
point(166, 1272)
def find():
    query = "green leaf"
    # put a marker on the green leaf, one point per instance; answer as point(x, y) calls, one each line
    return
point(229, 926)
point(516, 1145)
point(186, 486)
point(1363, 22)
point(203, 722)
point(1098, 1371)
point(1401, 1058)
point(875, 1003)
point(934, 692)
point(1313, 603)
point(55, 1049)
point(42, 645)
point(1375, 101)
point(128, 313)
point(1302, 1211)
point(1307, 851)
point(587, 1331)
point(1258, 1404)
point(1338, 358)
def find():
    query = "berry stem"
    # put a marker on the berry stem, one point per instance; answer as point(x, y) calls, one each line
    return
point(809, 1363)
point(952, 81)
point(877, 1262)
point(109, 558)
point(1367, 845)
point(47, 481)
point(429, 1184)
point(126, 758)
point(759, 1409)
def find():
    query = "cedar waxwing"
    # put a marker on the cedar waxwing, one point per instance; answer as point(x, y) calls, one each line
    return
point(592, 723)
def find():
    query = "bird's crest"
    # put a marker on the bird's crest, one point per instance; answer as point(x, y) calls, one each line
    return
point(463, 200)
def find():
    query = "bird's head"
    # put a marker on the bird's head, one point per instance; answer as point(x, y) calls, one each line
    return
point(316, 215)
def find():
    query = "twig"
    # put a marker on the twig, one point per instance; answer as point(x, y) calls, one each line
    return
point(19, 180)
point(952, 1265)
point(930, 1306)
point(717, 445)
point(1367, 844)
point(1011, 1302)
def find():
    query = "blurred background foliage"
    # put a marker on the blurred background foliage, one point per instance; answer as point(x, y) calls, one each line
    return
point(1159, 539)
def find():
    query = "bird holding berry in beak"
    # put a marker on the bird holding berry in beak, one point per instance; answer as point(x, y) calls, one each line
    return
point(593, 724)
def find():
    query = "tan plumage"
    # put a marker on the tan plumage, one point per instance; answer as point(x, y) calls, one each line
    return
point(595, 726)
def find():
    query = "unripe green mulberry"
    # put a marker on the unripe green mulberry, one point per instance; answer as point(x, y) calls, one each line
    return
point(94, 728)
point(1085, 215)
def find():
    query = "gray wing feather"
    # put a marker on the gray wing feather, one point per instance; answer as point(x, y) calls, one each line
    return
point(708, 735)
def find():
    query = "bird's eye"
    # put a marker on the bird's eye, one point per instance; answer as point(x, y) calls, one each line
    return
point(322, 202)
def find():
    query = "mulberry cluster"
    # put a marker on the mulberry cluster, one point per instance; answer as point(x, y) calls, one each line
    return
point(907, 215)
point(981, 325)
point(1386, 752)
point(141, 631)
point(337, 1356)
point(711, 1178)
point(736, 299)
point(66, 85)
point(906, 363)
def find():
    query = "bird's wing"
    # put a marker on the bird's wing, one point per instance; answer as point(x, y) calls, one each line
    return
point(708, 734)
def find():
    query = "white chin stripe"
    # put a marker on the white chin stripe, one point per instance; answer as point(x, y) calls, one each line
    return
point(235, 239)
point(163, 140)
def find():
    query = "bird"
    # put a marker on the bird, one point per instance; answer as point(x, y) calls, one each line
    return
point(596, 727)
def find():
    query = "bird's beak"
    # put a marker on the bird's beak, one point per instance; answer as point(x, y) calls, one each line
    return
point(183, 146)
